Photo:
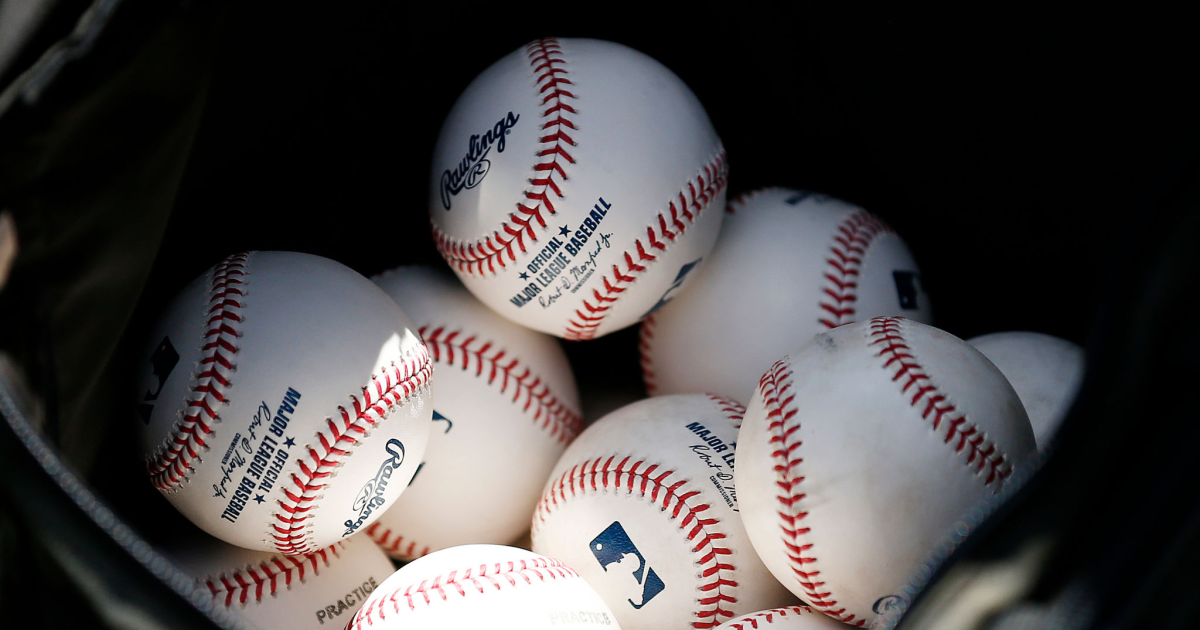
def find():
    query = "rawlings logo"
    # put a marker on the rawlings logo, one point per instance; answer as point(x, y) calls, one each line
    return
point(473, 168)
point(888, 603)
point(371, 494)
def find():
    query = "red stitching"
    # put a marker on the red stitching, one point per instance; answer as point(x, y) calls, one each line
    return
point(391, 387)
point(732, 409)
point(854, 236)
point(842, 267)
point(692, 201)
point(935, 405)
point(394, 544)
point(671, 495)
point(750, 622)
point(171, 462)
point(546, 60)
point(775, 389)
point(269, 575)
point(481, 578)
point(645, 339)
point(458, 347)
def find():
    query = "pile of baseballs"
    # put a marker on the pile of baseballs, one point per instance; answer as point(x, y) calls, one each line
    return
point(319, 427)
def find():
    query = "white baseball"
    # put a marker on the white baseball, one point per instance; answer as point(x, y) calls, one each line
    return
point(862, 448)
point(575, 185)
point(506, 409)
point(484, 586)
point(643, 505)
point(1046, 372)
point(788, 265)
point(790, 618)
point(322, 589)
point(285, 400)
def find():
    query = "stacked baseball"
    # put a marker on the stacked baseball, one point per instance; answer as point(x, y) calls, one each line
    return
point(809, 440)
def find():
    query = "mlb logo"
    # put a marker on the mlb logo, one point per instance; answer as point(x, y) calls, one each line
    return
point(612, 546)
point(673, 290)
point(162, 363)
point(907, 285)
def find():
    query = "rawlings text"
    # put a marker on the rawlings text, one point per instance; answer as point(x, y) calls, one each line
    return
point(473, 167)
point(718, 456)
point(371, 495)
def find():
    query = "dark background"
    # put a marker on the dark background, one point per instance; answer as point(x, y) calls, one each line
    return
point(1009, 150)
point(1014, 153)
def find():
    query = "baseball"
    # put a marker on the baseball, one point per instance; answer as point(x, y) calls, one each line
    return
point(790, 618)
point(505, 411)
point(1045, 371)
point(284, 402)
point(862, 448)
point(576, 185)
point(484, 586)
point(789, 264)
point(643, 506)
point(322, 589)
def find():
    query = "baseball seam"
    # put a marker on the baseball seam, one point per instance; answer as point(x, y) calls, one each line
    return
point(546, 59)
point(480, 578)
point(391, 387)
point(775, 389)
point(559, 420)
point(647, 329)
point(767, 617)
point(934, 404)
point(169, 465)
point(394, 544)
point(264, 578)
point(681, 213)
point(457, 348)
point(844, 264)
point(604, 474)
point(733, 410)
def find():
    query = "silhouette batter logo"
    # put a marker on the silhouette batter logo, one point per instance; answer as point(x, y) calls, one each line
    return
point(162, 363)
point(611, 546)
point(907, 285)
point(673, 290)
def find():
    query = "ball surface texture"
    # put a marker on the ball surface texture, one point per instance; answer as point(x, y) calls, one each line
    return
point(862, 448)
point(322, 589)
point(506, 409)
point(484, 586)
point(790, 618)
point(284, 402)
point(1046, 372)
point(576, 185)
point(788, 264)
point(643, 505)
